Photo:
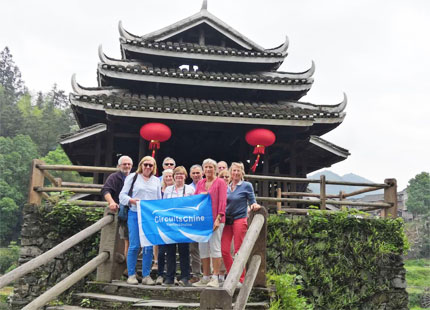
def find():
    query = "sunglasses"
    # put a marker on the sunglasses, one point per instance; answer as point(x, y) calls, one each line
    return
point(169, 164)
point(148, 165)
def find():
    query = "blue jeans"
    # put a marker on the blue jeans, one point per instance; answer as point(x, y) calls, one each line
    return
point(133, 250)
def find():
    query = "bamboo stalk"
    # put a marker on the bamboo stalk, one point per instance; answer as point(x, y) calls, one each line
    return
point(77, 168)
point(54, 252)
point(67, 282)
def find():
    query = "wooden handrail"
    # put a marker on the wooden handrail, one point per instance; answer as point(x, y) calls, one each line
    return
point(250, 276)
point(41, 189)
point(67, 282)
point(55, 251)
point(304, 180)
point(328, 201)
point(84, 185)
point(77, 168)
point(243, 254)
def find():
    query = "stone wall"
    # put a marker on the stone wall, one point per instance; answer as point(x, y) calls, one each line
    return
point(342, 260)
point(43, 228)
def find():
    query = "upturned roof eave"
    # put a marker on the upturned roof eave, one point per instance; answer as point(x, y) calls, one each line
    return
point(203, 82)
point(203, 16)
point(203, 56)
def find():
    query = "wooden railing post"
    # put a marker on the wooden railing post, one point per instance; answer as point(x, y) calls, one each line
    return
point(279, 195)
point(260, 248)
point(112, 268)
point(322, 192)
point(390, 196)
point(36, 179)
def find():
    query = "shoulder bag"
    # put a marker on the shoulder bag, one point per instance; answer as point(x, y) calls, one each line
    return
point(123, 209)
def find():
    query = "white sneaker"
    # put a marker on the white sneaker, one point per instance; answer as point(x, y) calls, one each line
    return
point(159, 280)
point(239, 285)
point(132, 280)
point(213, 282)
point(148, 281)
point(201, 283)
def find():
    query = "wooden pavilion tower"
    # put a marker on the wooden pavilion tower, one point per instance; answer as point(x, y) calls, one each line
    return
point(210, 85)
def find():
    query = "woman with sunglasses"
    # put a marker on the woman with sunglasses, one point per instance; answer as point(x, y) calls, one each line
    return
point(146, 187)
point(240, 194)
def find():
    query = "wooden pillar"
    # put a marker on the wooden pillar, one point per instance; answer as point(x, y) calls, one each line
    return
point(390, 196)
point(109, 149)
point(142, 150)
point(113, 268)
point(279, 195)
point(36, 179)
point(97, 154)
point(322, 192)
point(266, 184)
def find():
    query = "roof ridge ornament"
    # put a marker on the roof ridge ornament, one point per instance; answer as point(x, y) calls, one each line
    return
point(204, 5)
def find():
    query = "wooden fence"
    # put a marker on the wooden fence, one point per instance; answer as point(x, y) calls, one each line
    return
point(278, 191)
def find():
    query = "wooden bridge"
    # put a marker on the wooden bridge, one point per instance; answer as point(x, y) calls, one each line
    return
point(277, 193)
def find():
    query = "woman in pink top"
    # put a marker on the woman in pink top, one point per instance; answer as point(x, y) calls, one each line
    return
point(217, 189)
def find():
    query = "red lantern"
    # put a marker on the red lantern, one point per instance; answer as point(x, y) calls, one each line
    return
point(260, 138)
point(155, 133)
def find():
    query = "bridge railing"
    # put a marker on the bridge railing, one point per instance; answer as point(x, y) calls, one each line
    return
point(278, 190)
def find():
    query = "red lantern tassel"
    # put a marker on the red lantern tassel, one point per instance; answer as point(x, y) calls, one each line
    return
point(154, 144)
point(259, 149)
point(256, 163)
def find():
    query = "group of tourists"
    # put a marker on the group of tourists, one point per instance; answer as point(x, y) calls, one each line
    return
point(232, 198)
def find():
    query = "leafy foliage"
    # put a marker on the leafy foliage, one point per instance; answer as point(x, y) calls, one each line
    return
point(58, 157)
point(419, 194)
point(15, 158)
point(9, 258)
point(338, 256)
point(286, 296)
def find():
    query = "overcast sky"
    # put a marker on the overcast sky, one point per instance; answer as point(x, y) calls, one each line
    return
point(377, 52)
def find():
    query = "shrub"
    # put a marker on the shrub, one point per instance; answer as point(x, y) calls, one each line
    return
point(9, 257)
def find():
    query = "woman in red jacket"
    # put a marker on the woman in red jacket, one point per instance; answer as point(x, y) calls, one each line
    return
point(217, 189)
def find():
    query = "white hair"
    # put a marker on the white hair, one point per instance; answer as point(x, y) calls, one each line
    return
point(167, 158)
point(196, 166)
point(209, 161)
point(122, 158)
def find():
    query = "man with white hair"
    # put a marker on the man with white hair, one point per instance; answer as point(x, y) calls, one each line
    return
point(111, 190)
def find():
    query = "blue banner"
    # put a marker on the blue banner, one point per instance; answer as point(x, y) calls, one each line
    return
point(175, 220)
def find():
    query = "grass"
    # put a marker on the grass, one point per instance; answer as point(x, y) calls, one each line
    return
point(418, 279)
point(4, 293)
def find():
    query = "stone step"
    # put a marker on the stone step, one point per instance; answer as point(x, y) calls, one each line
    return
point(158, 292)
point(109, 301)
point(66, 307)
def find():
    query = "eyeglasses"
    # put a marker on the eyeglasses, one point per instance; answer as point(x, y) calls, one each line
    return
point(148, 165)
point(169, 164)
point(225, 177)
point(126, 164)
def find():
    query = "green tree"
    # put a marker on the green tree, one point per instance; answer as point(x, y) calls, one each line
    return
point(11, 88)
point(15, 162)
point(419, 194)
point(58, 157)
point(10, 75)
